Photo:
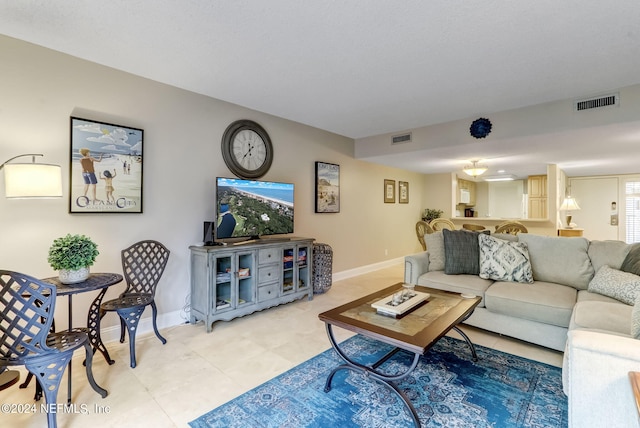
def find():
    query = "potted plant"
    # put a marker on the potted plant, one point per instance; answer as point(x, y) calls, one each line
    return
point(71, 256)
point(430, 214)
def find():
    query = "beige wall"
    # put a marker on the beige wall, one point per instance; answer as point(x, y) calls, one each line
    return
point(438, 193)
point(41, 89)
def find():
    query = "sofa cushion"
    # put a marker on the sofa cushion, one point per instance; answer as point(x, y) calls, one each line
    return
point(544, 302)
point(631, 262)
point(558, 259)
point(461, 252)
point(611, 253)
point(635, 319)
point(465, 284)
point(435, 247)
point(623, 286)
point(504, 261)
point(602, 316)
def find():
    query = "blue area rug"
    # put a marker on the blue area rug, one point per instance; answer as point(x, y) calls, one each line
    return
point(447, 389)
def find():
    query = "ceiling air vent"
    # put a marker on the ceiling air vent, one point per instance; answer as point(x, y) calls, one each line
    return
point(611, 100)
point(400, 139)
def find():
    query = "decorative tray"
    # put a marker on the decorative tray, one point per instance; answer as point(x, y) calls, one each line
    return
point(396, 307)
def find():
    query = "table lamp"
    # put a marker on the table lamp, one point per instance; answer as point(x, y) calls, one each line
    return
point(569, 204)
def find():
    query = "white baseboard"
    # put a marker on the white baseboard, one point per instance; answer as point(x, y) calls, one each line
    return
point(171, 319)
point(345, 274)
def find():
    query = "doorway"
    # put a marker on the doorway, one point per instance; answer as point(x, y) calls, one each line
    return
point(599, 213)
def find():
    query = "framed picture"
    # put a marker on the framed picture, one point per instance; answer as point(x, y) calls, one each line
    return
point(403, 192)
point(389, 191)
point(105, 168)
point(327, 188)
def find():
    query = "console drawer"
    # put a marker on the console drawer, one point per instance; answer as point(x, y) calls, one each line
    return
point(268, 274)
point(268, 255)
point(268, 292)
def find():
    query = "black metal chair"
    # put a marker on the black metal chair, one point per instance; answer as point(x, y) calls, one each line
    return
point(142, 264)
point(38, 394)
point(26, 313)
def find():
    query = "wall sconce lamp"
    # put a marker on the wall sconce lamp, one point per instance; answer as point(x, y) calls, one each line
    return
point(32, 180)
point(475, 169)
point(569, 204)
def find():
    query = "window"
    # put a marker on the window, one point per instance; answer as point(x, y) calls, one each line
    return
point(632, 208)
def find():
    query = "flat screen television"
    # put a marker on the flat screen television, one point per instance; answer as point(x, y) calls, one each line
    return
point(252, 208)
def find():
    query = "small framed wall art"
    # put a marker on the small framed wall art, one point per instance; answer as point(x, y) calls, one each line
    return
point(105, 168)
point(327, 187)
point(389, 191)
point(403, 192)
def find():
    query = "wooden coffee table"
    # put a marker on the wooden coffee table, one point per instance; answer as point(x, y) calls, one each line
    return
point(415, 332)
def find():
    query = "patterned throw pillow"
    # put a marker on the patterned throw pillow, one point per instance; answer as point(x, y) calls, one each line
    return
point(616, 284)
point(504, 260)
point(635, 319)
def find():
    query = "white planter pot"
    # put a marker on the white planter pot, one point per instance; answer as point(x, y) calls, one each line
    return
point(73, 276)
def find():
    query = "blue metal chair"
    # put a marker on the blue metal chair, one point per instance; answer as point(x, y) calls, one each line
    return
point(143, 264)
point(26, 313)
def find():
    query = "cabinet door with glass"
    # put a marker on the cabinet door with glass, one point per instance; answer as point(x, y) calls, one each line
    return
point(246, 279)
point(295, 268)
point(303, 270)
point(234, 280)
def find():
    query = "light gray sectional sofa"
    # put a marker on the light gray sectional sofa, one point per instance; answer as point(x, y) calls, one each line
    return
point(561, 302)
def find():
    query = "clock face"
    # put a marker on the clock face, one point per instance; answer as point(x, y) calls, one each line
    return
point(247, 149)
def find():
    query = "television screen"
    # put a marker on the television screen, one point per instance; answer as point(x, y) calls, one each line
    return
point(250, 208)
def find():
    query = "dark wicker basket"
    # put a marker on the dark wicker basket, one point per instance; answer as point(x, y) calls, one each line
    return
point(322, 268)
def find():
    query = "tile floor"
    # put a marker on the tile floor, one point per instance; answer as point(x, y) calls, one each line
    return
point(195, 371)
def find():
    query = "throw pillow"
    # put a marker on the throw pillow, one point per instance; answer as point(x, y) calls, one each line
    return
point(560, 260)
point(502, 260)
point(631, 262)
point(461, 252)
point(435, 247)
point(608, 252)
point(635, 319)
point(622, 286)
point(506, 237)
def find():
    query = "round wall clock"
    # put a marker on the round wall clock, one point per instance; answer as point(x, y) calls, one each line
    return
point(247, 149)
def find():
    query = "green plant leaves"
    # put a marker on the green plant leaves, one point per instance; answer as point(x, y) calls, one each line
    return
point(72, 252)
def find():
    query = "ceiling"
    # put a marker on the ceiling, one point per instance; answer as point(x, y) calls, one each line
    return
point(362, 68)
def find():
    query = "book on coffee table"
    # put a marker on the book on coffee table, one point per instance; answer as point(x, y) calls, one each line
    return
point(394, 308)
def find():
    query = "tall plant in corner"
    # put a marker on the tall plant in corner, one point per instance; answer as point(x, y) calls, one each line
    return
point(71, 256)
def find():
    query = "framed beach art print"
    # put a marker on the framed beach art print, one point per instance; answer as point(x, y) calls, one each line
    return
point(105, 168)
point(327, 187)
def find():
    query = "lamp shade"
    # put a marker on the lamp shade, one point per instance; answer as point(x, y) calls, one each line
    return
point(32, 180)
point(569, 204)
point(474, 169)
